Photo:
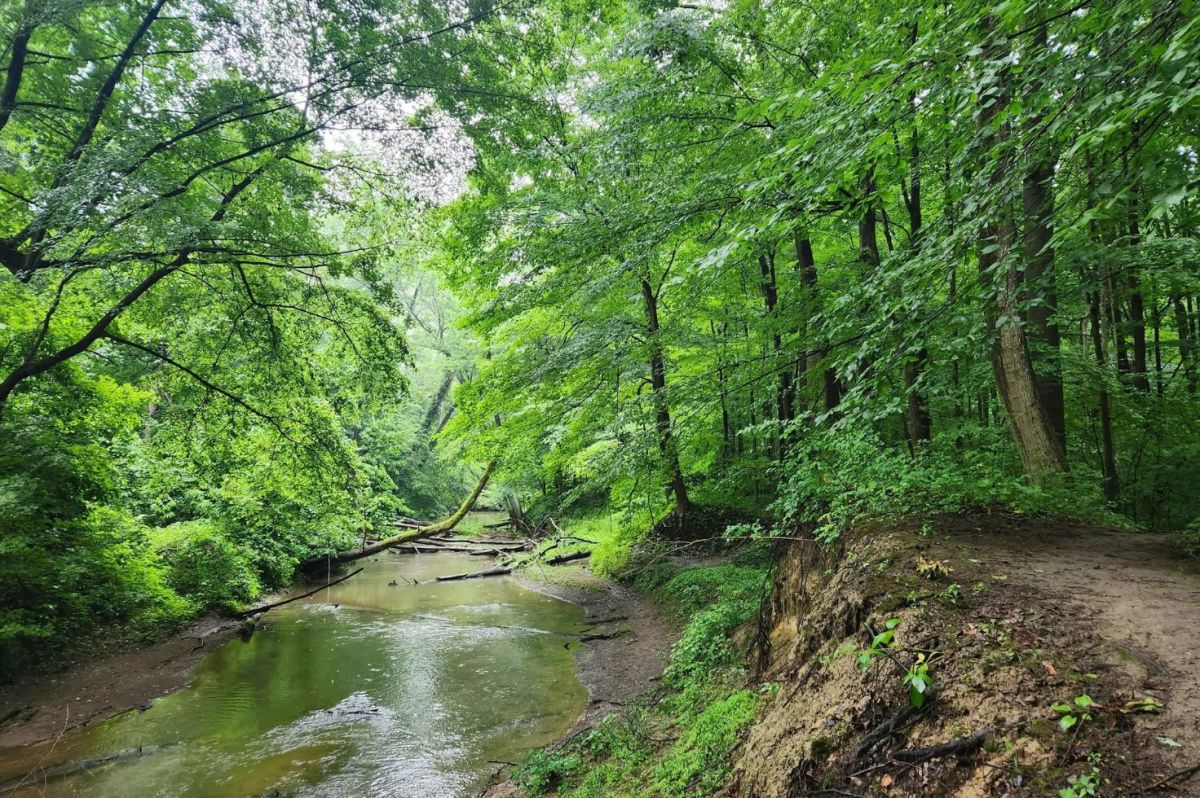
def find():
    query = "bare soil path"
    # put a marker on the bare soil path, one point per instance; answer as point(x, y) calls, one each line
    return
point(1136, 594)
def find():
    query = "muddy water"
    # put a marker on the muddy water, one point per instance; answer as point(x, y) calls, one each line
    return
point(366, 689)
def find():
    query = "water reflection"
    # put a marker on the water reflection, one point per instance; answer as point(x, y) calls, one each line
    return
point(368, 688)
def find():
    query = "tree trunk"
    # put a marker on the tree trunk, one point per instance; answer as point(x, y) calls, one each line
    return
point(1108, 458)
point(1031, 429)
point(920, 427)
point(1038, 201)
point(662, 409)
point(1137, 307)
point(806, 263)
point(435, 405)
point(1183, 330)
point(770, 292)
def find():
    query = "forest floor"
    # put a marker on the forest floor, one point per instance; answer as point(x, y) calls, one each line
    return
point(1134, 592)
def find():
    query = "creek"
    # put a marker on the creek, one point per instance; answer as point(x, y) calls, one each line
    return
point(373, 687)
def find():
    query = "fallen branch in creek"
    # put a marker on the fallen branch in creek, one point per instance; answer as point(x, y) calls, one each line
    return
point(410, 534)
point(559, 559)
point(274, 604)
point(56, 772)
point(499, 570)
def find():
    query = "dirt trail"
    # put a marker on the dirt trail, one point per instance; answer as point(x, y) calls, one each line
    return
point(1134, 592)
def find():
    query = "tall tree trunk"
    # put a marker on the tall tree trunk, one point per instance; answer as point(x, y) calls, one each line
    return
point(1108, 458)
point(920, 427)
point(1012, 366)
point(1137, 308)
point(662, 409)
point(770, 292)
point(831, 393)
point(1038, 201)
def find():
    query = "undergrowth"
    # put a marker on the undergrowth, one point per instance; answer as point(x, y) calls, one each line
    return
point(681, 744)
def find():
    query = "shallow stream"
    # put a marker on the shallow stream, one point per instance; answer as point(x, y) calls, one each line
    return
point(374, 687)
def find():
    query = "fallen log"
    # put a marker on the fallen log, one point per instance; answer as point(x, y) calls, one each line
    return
point(497, 550)
point(274, 604)
point(409, 535)
point(559, 559)
point(477, 541)
point(500, 524)
point(499, 570)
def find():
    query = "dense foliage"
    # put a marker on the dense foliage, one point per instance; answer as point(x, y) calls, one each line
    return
point(278, 272)
point(883, 255)
point(206, 341)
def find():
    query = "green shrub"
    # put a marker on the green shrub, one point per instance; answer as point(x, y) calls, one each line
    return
point(544, 770)
point(718, 600)
point(206, 567)
point(836, 478)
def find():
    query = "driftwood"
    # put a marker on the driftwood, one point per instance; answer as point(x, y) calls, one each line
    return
point(408, 535)
point(559, 559)
point(274, 604)
point(499, 570)
point(476, 541)
point(495, 550)
point(500, 524)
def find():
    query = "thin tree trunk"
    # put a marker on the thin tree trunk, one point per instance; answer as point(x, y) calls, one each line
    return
point(1108, 458)
point(920, 427)
point(662, 410)
point(1182, 329)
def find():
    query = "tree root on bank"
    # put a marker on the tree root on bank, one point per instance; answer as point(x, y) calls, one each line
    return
point(962, 745)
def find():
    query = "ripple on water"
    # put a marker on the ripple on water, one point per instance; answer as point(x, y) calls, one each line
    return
point(367, 689)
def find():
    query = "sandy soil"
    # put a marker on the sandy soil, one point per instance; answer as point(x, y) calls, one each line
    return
point(629, 651)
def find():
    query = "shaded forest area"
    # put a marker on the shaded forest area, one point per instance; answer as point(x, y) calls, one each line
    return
point(277, 273)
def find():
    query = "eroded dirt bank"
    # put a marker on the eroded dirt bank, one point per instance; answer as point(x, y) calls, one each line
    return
point(1012, 616)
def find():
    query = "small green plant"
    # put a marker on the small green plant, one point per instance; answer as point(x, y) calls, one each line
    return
point(952, 594)
point(880, 643)
point(1085, 784)
point(545, 770)
point(1075, 713)
point(918, 681)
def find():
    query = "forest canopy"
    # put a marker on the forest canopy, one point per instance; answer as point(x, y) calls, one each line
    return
point(278, 273)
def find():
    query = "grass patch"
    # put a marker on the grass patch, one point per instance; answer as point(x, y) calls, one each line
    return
point(681, 745)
